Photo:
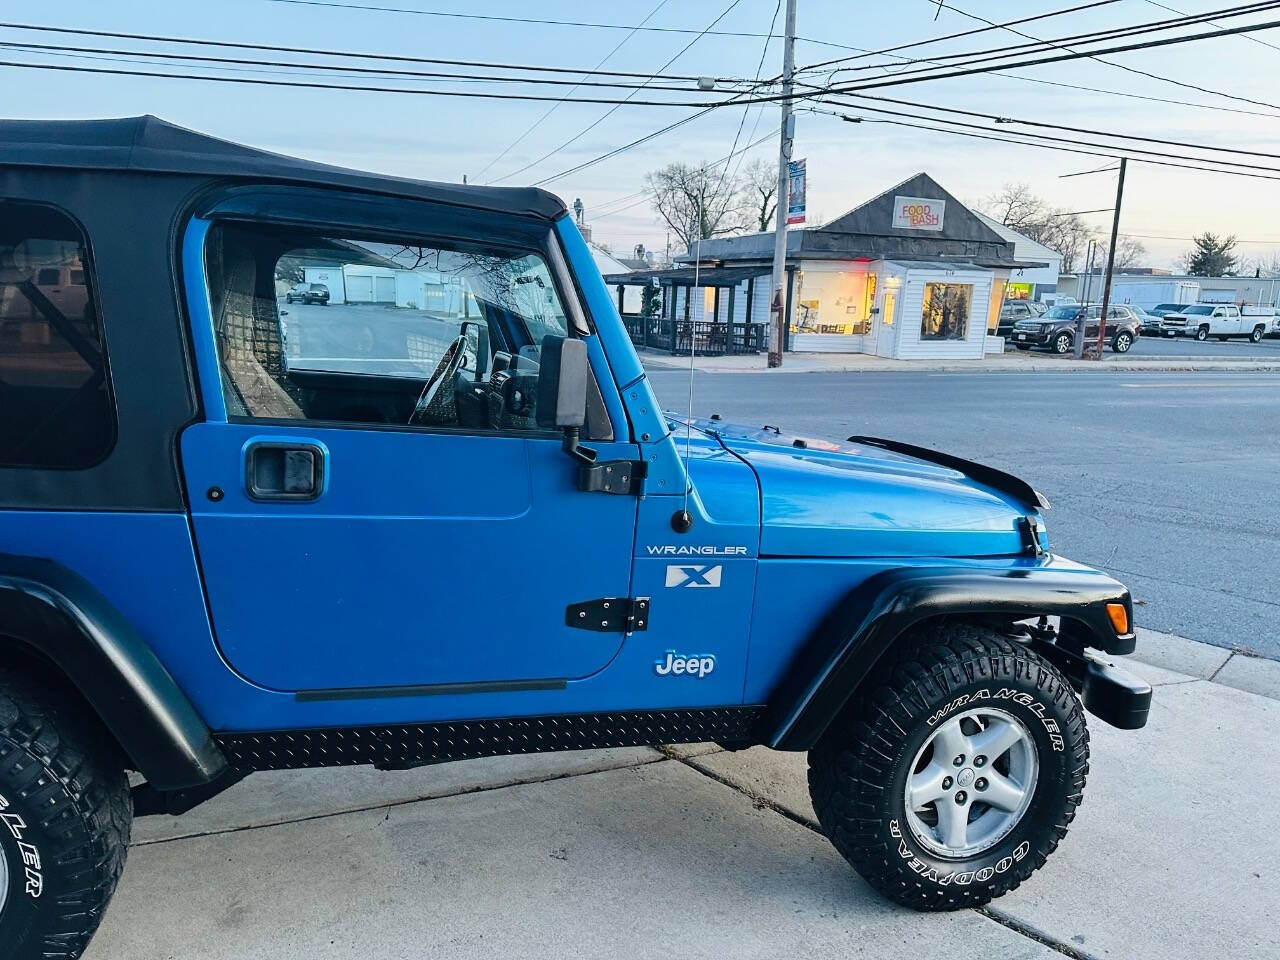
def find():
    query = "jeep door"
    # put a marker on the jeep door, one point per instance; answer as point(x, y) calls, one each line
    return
point(374, 507)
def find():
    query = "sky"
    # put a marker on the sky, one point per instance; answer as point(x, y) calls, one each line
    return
point(442, 138)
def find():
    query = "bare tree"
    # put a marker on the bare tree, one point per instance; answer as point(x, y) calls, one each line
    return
point(1015, 206)
point(1263, 265)
point(694, 202)
point(1129, 252)
point(760, 194)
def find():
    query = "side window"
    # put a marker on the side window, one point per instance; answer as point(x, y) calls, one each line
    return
point(54, 383)
point(377, 331)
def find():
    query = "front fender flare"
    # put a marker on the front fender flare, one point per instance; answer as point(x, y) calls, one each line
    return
point(61, 616)
point(853, 637)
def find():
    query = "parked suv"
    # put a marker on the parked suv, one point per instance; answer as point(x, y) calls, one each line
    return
point(470, 533)
point(308, 293)
point(1057, 329)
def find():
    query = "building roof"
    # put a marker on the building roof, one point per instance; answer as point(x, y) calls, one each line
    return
point(1027, 246)
point(875, 215)
point(867, 233)
point(151, 145)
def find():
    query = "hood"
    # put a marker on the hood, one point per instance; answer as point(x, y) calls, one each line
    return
point(859, 499)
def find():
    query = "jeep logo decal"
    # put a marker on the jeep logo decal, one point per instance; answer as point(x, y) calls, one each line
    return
point(694, 666)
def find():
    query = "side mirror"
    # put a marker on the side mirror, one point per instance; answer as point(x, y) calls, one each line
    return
point(562, 383)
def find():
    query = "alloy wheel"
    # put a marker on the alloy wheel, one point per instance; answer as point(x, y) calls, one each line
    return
point(971, 783)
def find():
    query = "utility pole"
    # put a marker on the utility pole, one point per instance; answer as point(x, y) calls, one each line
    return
point(1111, 259)
point(777, 310)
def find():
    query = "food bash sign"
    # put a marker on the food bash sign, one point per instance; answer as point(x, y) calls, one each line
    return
point(918, 213)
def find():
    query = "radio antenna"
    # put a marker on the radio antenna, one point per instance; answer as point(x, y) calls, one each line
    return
point(686, 519)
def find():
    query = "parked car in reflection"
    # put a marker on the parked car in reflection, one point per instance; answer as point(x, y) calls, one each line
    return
point(1014, 310)
point(308, 293)
point(1056, 331)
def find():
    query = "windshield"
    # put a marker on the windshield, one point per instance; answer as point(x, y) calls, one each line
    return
point(1063, 313)
point(1198, 311)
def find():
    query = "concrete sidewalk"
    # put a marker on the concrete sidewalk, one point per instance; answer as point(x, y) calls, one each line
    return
point(1007, 363)
point(694, 852)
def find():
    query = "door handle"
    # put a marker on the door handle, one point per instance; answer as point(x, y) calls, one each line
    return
point(284, 471)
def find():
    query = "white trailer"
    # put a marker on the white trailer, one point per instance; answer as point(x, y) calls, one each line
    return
point(1147, 293)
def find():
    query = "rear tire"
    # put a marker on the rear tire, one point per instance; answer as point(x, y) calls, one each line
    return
point(1121, 342)
point(1256, 335)
point(914, 712)
point(65, 816)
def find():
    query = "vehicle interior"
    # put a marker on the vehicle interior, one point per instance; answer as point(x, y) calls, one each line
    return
point(443, 336)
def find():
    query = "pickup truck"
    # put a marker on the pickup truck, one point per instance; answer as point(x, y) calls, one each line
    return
point(1205, 320)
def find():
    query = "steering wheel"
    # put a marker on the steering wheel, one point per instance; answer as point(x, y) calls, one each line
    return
point(430, 401)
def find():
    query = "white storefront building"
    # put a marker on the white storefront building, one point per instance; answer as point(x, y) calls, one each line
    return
point(911, 273)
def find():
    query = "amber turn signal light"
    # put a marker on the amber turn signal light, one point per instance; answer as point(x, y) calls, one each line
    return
point(1119, 617)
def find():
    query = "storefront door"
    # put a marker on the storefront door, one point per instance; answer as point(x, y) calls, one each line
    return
point(885, 329)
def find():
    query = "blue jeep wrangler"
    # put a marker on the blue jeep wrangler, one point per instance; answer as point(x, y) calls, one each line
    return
point(443, 516)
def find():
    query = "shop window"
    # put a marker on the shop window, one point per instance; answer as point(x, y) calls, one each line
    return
point(946, 311)
point(58, 411)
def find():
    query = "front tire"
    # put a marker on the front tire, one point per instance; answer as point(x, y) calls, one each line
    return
point(1202, 334)
point(65, 816)
point(989, 743)
point(1062, 344)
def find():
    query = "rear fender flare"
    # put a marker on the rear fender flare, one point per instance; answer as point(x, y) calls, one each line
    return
point(857, 633)
point(56, 613)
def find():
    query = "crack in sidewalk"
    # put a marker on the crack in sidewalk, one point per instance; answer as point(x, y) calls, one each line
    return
point(660, 757)
point(759, 801)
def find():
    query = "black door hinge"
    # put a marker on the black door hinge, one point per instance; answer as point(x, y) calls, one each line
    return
point(611, 476)
point(609, 615)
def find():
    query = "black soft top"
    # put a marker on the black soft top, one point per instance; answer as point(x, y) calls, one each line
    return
point(151, 145)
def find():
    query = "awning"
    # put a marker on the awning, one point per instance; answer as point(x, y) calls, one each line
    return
point(685, 277)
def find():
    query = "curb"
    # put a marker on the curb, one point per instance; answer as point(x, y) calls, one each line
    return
point(982, 367)
point(1203, 661)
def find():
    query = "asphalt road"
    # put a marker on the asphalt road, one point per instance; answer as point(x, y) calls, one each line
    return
point(1166, 481)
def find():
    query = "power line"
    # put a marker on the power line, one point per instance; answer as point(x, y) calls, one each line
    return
point(884, 51)
point(764, 50)
point(1085, 173)
point(363, 88)
point(313, 51)
point(1122, 149)
point(1036, 45)
point(1069, 129)
point(556, 106)
point(1129, 69)
point(1148, 236)
point(544, 22)
point(61, 49)
point(608, 113)
point(925, 75)
point(1258, 40)
point(1084, 87)
point(1042, 146)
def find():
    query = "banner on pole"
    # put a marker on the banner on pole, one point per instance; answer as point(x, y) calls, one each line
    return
point(795, 191)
